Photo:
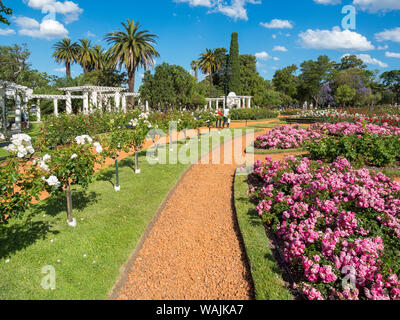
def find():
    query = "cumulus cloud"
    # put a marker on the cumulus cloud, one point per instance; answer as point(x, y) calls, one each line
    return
point(235, 10)
point(263, 55)
point(335, 39)
point(280, 48)
point(392, 55)
point(7, 32)
point(389, 35)
point(366, 58)
point(374, 6)
point(48, 29)
point(277, 24)
point(69, 9)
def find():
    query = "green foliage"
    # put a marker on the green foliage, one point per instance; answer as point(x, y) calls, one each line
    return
point(253, 114)
point(251, 83)
point(234, 65)
point(344, 94)
point(6, 11)
point(286, 81)
point(363, 149)
point(170, 87)
point(391, 80)
point(19, 185)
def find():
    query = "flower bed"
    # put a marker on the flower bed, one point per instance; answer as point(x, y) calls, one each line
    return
point(294, 137)
point(339, 228)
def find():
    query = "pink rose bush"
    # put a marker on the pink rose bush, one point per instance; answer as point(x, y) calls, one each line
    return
point(289, 137)
point(338, 228)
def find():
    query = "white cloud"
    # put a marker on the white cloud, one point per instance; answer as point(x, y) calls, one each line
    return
point(26, 22)
point(263, 55)
point(235, 10)
point(60, 70)
point(369, 60)
point(6, 32)
point(328, 1)
point(48, 29)
point(389, 35)
point(385, 47)
point(276, 59)
point(90, 34)
point(274, 36)
point(392, 55)
point(69, 9)
point(374, 6)
point(277, 24)
point(335, 39)
point(280, 48)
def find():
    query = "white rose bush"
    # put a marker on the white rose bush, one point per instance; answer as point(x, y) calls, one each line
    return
point(20, 182)
point(69, 165)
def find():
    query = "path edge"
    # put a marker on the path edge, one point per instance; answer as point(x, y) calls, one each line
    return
point(125, 269)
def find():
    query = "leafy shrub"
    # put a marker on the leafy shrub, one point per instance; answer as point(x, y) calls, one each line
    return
point(252, 114)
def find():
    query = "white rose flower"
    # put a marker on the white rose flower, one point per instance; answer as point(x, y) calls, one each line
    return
point(98, 146)
point(46, 158)
point(2, 136)
point(53, 182)
point(74, 156)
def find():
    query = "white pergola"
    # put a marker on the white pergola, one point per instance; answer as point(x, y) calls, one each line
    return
point(231, 101)
point(20, 94)
point(94, 97)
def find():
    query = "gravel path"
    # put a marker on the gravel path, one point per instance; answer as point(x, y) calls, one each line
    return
point(194, 251)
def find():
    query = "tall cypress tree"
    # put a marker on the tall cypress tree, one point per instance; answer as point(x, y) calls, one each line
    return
point(234, 64)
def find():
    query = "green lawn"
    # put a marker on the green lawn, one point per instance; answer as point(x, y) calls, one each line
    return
point(266, 273)
point(87, 259)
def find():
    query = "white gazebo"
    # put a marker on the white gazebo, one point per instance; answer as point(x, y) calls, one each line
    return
point(232, 101)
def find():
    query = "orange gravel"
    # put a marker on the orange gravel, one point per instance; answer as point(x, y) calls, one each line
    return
point(193, 251)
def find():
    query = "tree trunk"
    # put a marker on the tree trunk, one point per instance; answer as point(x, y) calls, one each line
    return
point(131, 83)
point(68, 69)
point(69, 203)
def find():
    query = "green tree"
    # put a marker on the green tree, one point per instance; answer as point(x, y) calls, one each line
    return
point(4, 11)
point(314, 73)
point(86, 55)
point(251, 83)
point(195, 65)
point(133, 48)
point(234, 65)
point(66, 52)
point(350, 61)
point(391, 80)
point(344, 94)
point(209, 64)
point(286, 81)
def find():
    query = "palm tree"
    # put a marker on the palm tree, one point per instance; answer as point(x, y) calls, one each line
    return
point(209, 64)
point(195, 65)
point(86, 55)
point(66, 52)
point(99, 57)
point(133, 48)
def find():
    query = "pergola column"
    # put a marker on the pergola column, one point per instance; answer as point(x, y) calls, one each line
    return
point(25, 100)
point(17, 111)
point(38, 114)
point(55, 101)
point(249, 103)
point(117, 100)
point(3, 108)
point(68, 102)
point(101, 98)
point(93, 101)
point(224, 103)
point(86, 103)
point(210, 105)
point(147, 106)
point(123, 99)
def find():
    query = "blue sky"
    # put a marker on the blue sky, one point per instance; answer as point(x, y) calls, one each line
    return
point(279, 33)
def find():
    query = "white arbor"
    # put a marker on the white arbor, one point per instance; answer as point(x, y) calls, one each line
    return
point(232, 101)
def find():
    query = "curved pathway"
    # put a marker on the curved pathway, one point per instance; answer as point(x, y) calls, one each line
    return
point(194, 250)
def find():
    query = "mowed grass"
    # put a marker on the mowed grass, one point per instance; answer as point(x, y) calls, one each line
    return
point(266, 273)
point(87, 259)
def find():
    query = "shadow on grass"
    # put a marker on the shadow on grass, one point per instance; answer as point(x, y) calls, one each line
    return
point(14, 238)
point(57, 204)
